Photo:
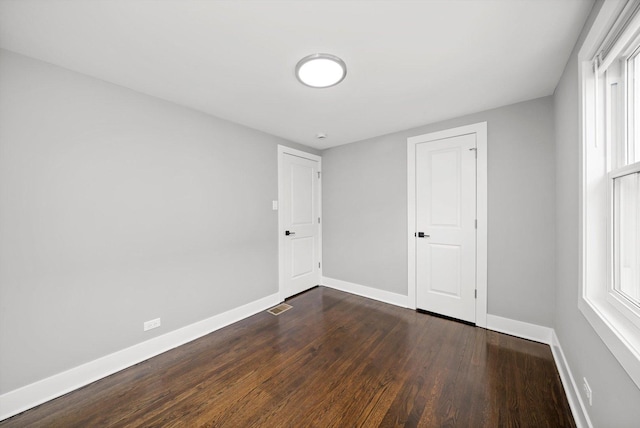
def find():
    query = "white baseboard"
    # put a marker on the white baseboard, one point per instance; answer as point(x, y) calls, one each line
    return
point(571, 389)
point(521, 329)
point(21, 399)
point(548, 336)
point(368, 292)
point(508, 326)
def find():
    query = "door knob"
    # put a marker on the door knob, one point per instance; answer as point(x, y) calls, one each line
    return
point(421, 235)
point(286, 232)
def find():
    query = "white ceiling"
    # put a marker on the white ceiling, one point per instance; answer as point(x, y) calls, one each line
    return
point(409, 62)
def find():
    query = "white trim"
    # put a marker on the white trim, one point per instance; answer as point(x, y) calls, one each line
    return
point(573, 393)
point(21, 399)
point(613, 336)
point(547, 336)
point(521, 329)
point(607, 15)
point(618, 333)
point(482, 234)
point(480, 129)
point(365, 291)
point(281, 151)
point(411, 224)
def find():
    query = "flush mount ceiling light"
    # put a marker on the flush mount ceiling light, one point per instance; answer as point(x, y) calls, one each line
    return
point(321, 70)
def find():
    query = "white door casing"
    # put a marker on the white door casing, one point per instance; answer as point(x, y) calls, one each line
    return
point(299, 225)
point(447, 194)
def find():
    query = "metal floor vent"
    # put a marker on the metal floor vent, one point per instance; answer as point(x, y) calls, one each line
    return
point(277, 310)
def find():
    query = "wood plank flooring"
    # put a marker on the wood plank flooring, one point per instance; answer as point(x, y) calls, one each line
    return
point(333, 360)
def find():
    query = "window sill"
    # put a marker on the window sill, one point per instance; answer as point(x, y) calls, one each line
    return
point(619, 334)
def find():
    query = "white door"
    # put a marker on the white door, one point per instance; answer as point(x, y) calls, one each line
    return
point(446, 226)
point(299, 223)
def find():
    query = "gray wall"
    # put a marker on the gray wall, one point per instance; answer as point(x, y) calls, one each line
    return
point(117, 208)
point(615, 396)
point(365, 210)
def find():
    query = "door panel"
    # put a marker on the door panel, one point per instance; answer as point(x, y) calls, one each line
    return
point(444, 183)
point(446, 213)
point(300, 210)
point(302, 203)
point(444, 275)
point(302, 256)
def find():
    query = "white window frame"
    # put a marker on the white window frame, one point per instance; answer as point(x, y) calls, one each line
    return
point(607, 312)
point(618, 300)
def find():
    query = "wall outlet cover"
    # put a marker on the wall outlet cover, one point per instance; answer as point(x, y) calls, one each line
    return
point(155, 323)
point(587, 391)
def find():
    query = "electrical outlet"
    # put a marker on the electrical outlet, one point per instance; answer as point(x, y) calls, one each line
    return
point(152, 324)
point(587, 390)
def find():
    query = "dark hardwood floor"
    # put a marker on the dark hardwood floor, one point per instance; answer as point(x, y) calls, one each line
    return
point(332, 360)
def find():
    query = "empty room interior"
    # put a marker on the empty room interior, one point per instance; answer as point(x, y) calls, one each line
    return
point(320, 213)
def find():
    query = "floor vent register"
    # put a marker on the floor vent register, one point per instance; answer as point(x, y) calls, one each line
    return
point(277, 310)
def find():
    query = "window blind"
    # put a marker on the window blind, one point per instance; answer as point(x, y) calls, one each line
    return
point(622, 33)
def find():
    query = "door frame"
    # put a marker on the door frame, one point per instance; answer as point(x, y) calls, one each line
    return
point(480, 129)
point(282, 150)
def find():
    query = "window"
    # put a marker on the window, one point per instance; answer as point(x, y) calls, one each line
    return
point(626, 237)
point(621, 119)
point(610, 218)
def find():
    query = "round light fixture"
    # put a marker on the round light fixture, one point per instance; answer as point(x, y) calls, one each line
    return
point(321, 70)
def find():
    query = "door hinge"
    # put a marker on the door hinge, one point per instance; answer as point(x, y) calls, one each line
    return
point(318, 264)
point(476, 223)
point(318, 174)
point(318, 220)
point(476, 293)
